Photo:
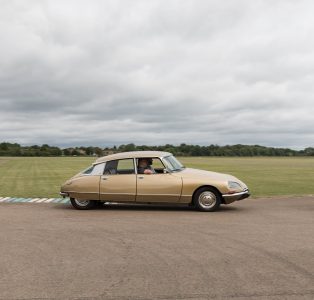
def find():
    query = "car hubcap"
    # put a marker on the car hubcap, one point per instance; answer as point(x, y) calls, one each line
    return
point(81, 202)
point(207, 199)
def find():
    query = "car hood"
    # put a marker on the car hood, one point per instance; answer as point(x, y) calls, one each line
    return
point(189, 172)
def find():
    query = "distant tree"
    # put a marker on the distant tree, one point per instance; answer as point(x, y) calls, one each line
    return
point(75, 152)
point(66, 152)
point(14, 149)
point(129, 147)
point(89, 150)
point(4, 147)
point(309, 151)
point(98, 151)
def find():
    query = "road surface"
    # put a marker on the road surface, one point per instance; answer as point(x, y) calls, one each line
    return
point(252, 249)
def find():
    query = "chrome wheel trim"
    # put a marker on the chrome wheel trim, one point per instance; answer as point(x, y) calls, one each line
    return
point(82, 203)
point(207, 199)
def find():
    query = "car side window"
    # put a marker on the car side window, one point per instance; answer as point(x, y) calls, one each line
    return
point(121, 166)
point(154, 164)
point(111, 167)
point(125, 166)
point(158, 165)
point(88, 171)
point(98, 169)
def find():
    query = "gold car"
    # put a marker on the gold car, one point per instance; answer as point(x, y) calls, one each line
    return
point(151, 177)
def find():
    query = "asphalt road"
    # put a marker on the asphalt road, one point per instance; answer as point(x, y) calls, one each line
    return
point(253, 249)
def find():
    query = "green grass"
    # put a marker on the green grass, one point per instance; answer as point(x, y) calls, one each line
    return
point(265, 176)
point(271, 176)
point(37, 176)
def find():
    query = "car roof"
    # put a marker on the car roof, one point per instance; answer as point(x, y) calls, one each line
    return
point(132, 154)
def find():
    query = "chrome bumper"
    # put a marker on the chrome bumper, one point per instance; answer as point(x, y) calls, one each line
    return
point(64, 194)
point(229, 198)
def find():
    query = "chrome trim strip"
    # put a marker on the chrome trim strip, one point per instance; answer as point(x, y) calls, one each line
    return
point(106, 175)
point(118, 194)
point(172, 195)
point(67, 193)
point(81, 192)
point(134, 166)
point(176, 195)
point(64, 194)
point(236, 194)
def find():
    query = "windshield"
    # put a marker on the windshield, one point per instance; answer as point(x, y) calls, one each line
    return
point(172, 163)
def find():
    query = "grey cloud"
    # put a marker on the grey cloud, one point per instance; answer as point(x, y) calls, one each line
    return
point(151, 72)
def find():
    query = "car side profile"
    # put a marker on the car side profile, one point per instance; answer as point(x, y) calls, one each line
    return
point(151, 177)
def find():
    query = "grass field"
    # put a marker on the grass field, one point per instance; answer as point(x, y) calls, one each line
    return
point(42, 176)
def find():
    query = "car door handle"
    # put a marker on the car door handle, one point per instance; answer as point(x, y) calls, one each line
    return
point(104, 178)
point(140, 177)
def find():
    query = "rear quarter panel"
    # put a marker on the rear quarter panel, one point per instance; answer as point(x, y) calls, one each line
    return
point(83, 187)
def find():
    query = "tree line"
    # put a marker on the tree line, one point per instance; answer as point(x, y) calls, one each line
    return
point(14, 149)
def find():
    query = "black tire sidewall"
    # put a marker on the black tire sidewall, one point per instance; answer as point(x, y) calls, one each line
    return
point(204, 189)
point(90, 205)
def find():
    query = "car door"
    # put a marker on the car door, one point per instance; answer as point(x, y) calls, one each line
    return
point(118, 183)
point(158, 187)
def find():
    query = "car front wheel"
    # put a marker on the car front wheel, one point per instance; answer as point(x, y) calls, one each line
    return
point(207, 199)
point(83, 204)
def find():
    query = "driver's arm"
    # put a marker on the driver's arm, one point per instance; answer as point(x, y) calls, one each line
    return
point(148, 171)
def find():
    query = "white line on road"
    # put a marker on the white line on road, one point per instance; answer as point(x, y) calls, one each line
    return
point(41, 200)
point(32, 200)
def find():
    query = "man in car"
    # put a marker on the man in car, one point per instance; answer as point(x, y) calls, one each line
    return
point(145, 166)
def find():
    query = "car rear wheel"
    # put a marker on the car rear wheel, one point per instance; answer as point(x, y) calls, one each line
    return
point(83, 204)
point(207, 199)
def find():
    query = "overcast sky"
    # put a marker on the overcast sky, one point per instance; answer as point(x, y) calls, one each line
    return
point(155, 72)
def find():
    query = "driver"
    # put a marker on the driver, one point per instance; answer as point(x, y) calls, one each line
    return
point(145, 166)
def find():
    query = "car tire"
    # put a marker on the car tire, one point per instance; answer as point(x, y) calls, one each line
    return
point(83, 204)
point(207, 199)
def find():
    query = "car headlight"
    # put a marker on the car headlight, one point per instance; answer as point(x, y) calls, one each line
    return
point(232, 185)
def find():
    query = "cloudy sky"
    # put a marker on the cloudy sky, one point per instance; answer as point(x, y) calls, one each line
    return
point(155, 72)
